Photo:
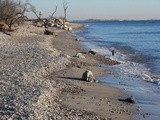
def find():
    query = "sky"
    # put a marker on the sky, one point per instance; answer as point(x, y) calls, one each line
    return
point(101, 9)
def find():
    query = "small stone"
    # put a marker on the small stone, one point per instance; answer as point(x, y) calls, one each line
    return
point(79, 55)
point(78, 66)
point(147, 114)
point(112, 111)
point(77, 39)
point(127, 111)
point(68, 56)
point(92, 52)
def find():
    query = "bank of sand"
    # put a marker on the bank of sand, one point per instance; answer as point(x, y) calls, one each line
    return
point(40, 79)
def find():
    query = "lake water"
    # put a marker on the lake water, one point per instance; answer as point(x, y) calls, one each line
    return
point(137, 47)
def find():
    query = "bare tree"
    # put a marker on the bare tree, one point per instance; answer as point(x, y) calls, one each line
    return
point(65, 7)
point(12, 12)
point(54, 12)
point(38, 14)
point(1, 9)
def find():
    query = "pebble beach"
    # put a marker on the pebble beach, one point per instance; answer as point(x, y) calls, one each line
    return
point(40, 79)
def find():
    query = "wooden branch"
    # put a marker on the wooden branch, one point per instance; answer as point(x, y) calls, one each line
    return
point(54, 11)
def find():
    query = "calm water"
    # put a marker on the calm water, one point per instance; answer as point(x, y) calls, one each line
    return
point(137, 47)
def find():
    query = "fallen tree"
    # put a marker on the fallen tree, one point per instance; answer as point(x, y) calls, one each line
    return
point(12, 12)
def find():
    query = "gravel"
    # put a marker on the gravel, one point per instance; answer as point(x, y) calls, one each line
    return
point(26, 93)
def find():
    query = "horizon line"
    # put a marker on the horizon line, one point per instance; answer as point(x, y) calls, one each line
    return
point(117, 20)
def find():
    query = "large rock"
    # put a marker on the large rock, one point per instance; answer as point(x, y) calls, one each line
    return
point(92, 52)
point(131, 99)
point(88, 76)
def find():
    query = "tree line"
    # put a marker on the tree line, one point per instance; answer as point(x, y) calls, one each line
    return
point(14, 12)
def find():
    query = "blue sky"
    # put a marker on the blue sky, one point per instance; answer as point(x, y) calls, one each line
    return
point(102, 9)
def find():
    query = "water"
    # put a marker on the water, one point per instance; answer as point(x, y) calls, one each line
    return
point(137, 47)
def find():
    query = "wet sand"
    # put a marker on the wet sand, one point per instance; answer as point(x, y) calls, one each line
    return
point(91, 97)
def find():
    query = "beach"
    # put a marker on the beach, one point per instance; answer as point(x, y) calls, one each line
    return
point(41, 78)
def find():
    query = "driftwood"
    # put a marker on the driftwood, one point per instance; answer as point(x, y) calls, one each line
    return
point(58, 23)
point(4, 28)
point(50, 32)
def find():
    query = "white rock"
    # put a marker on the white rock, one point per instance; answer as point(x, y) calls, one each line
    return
point(69, 29)
point(80, 55)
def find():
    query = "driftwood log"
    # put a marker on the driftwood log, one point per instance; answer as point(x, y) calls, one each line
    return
point(50, 32)
point(4, 28)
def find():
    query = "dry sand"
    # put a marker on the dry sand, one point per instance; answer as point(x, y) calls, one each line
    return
point(40, 79)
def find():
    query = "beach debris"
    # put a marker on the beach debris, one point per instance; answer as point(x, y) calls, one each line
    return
point(113, 52)
point(92, 52)
point(131, 99)
point(69, 29)
point(40, 24)
point(77, 39)
point(4, 28)
point(50, 32)
point(53, 22)
point(63, 55)
point(88, 76)
point(79, 55)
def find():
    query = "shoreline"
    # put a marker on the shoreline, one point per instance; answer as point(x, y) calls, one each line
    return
point(41, 79)
point(134, 76)
point(91, 99)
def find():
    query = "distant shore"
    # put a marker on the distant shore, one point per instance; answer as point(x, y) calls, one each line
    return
point(41, 79)
point(112, 20)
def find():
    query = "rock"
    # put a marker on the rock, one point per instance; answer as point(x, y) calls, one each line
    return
point(78, 66)
point(92, 52)
point(88, 76)
point(77, 39)
point(63, 55)
point(79, 55)
point(68, 56)
point(69, 29)
point(97, 81)
point(131, 99)
point(40, 24)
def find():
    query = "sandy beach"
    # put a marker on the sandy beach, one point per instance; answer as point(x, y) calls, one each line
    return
point(40, 78)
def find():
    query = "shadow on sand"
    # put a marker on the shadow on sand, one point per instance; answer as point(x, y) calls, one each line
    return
point(72, 78)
